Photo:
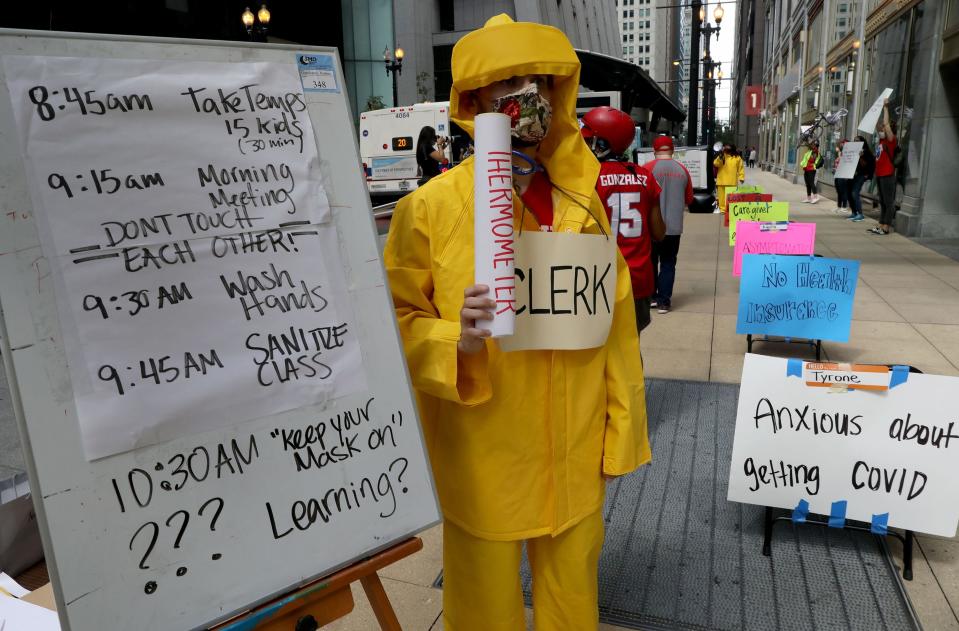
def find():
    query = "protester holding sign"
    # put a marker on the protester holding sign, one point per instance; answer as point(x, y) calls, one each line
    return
point(730, 172)
point(520, 442)
point(630, 194)
point(886, 171)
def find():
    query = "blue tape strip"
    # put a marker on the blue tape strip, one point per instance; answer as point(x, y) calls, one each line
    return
point(794, 368)
point(837, 514)
point(880, 524)
point(800, 512)
point(899, 376)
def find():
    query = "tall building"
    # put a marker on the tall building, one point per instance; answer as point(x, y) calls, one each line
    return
point(685, 19)
point(646, 32)
point(823, 56)
point(428, 29)
point(748, 62)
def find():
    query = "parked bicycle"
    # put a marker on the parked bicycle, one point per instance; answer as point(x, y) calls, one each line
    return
point(821, 122)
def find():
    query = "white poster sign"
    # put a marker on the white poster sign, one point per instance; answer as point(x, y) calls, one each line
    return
point(694, 159)
point(867, 124)
point(885, 457)
point(182, 209)
point(848, 160)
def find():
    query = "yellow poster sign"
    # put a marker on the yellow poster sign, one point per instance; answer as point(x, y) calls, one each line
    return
point(755, 211)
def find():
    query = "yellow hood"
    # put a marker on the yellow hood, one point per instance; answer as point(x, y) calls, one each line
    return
point(503, 49)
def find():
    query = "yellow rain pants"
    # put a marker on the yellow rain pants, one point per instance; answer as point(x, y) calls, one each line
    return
point(481, 581)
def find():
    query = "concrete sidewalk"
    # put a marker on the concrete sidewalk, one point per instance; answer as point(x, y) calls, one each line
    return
point(906, 312)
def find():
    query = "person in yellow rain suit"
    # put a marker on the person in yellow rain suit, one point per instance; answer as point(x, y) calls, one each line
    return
point(730, 174)
point(520, 442)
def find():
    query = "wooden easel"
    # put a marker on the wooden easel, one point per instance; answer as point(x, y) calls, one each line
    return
point(325, 600)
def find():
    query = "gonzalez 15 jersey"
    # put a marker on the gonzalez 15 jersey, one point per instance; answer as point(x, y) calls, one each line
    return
point(629, 191)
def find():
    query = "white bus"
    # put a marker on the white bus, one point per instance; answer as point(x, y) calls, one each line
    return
point(388, 145)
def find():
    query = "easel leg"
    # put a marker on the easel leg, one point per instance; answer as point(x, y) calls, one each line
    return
point(818, 350)
point(749, 343)
point(380, 603)
point(768, 532)
point(907, 556)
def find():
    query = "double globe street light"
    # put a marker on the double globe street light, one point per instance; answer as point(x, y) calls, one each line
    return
point(256, 24)
point(393, 67)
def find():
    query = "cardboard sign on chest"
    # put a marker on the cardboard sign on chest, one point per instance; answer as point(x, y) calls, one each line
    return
point(565, 291)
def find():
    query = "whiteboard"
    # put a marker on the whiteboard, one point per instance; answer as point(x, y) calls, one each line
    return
point(206, 543)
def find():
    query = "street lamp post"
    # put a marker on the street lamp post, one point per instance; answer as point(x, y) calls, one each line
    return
point(692, 112)
point(709, 67)
point(256, 24)
point(394, 67)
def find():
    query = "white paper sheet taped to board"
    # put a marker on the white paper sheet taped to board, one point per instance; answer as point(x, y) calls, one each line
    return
point(182, 208)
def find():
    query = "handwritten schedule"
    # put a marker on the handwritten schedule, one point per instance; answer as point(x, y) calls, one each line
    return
point(194, 253)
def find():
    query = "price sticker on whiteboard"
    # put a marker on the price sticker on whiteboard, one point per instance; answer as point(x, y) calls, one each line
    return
point(317, 72)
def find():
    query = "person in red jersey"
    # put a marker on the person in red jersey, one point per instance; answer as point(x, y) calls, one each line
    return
point(631, 197)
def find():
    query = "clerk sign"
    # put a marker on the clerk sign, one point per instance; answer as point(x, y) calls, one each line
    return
point(754, 100)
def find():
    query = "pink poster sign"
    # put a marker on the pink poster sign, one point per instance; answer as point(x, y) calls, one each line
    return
point(769, 237)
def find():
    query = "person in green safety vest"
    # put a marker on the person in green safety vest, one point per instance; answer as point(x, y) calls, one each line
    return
point(810, 163)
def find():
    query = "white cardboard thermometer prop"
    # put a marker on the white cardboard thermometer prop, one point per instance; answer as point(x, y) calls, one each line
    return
point(493, 216)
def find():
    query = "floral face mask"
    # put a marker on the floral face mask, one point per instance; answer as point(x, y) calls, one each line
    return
point(530, 114)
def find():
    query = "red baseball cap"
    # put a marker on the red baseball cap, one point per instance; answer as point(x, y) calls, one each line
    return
point(662, 142)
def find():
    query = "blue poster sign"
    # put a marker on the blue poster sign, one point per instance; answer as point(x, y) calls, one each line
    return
point(797, 296)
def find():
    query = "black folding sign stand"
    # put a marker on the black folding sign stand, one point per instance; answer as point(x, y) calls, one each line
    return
point(907, 537)
point(817, 344)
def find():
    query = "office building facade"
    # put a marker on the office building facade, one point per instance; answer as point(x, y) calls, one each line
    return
point(428, 30)
point(648, 35)
point(823, 56)
point(748, 65)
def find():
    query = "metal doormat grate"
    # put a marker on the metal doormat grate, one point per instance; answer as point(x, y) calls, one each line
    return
point(678, 556)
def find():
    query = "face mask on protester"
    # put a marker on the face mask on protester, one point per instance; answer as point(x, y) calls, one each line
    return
point(530, 114)
point(882, 135)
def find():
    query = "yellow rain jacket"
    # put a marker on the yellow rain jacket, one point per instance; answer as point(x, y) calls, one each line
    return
point(731, 172)
point(518, 441)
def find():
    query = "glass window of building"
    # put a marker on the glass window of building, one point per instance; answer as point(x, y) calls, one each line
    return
point(844, 19)
point(952, 15)
point(899, 57)
point(814, 42)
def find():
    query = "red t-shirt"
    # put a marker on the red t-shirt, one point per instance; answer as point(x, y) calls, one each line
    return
point(884, 151)
point(629, 191)
point(538, 198)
